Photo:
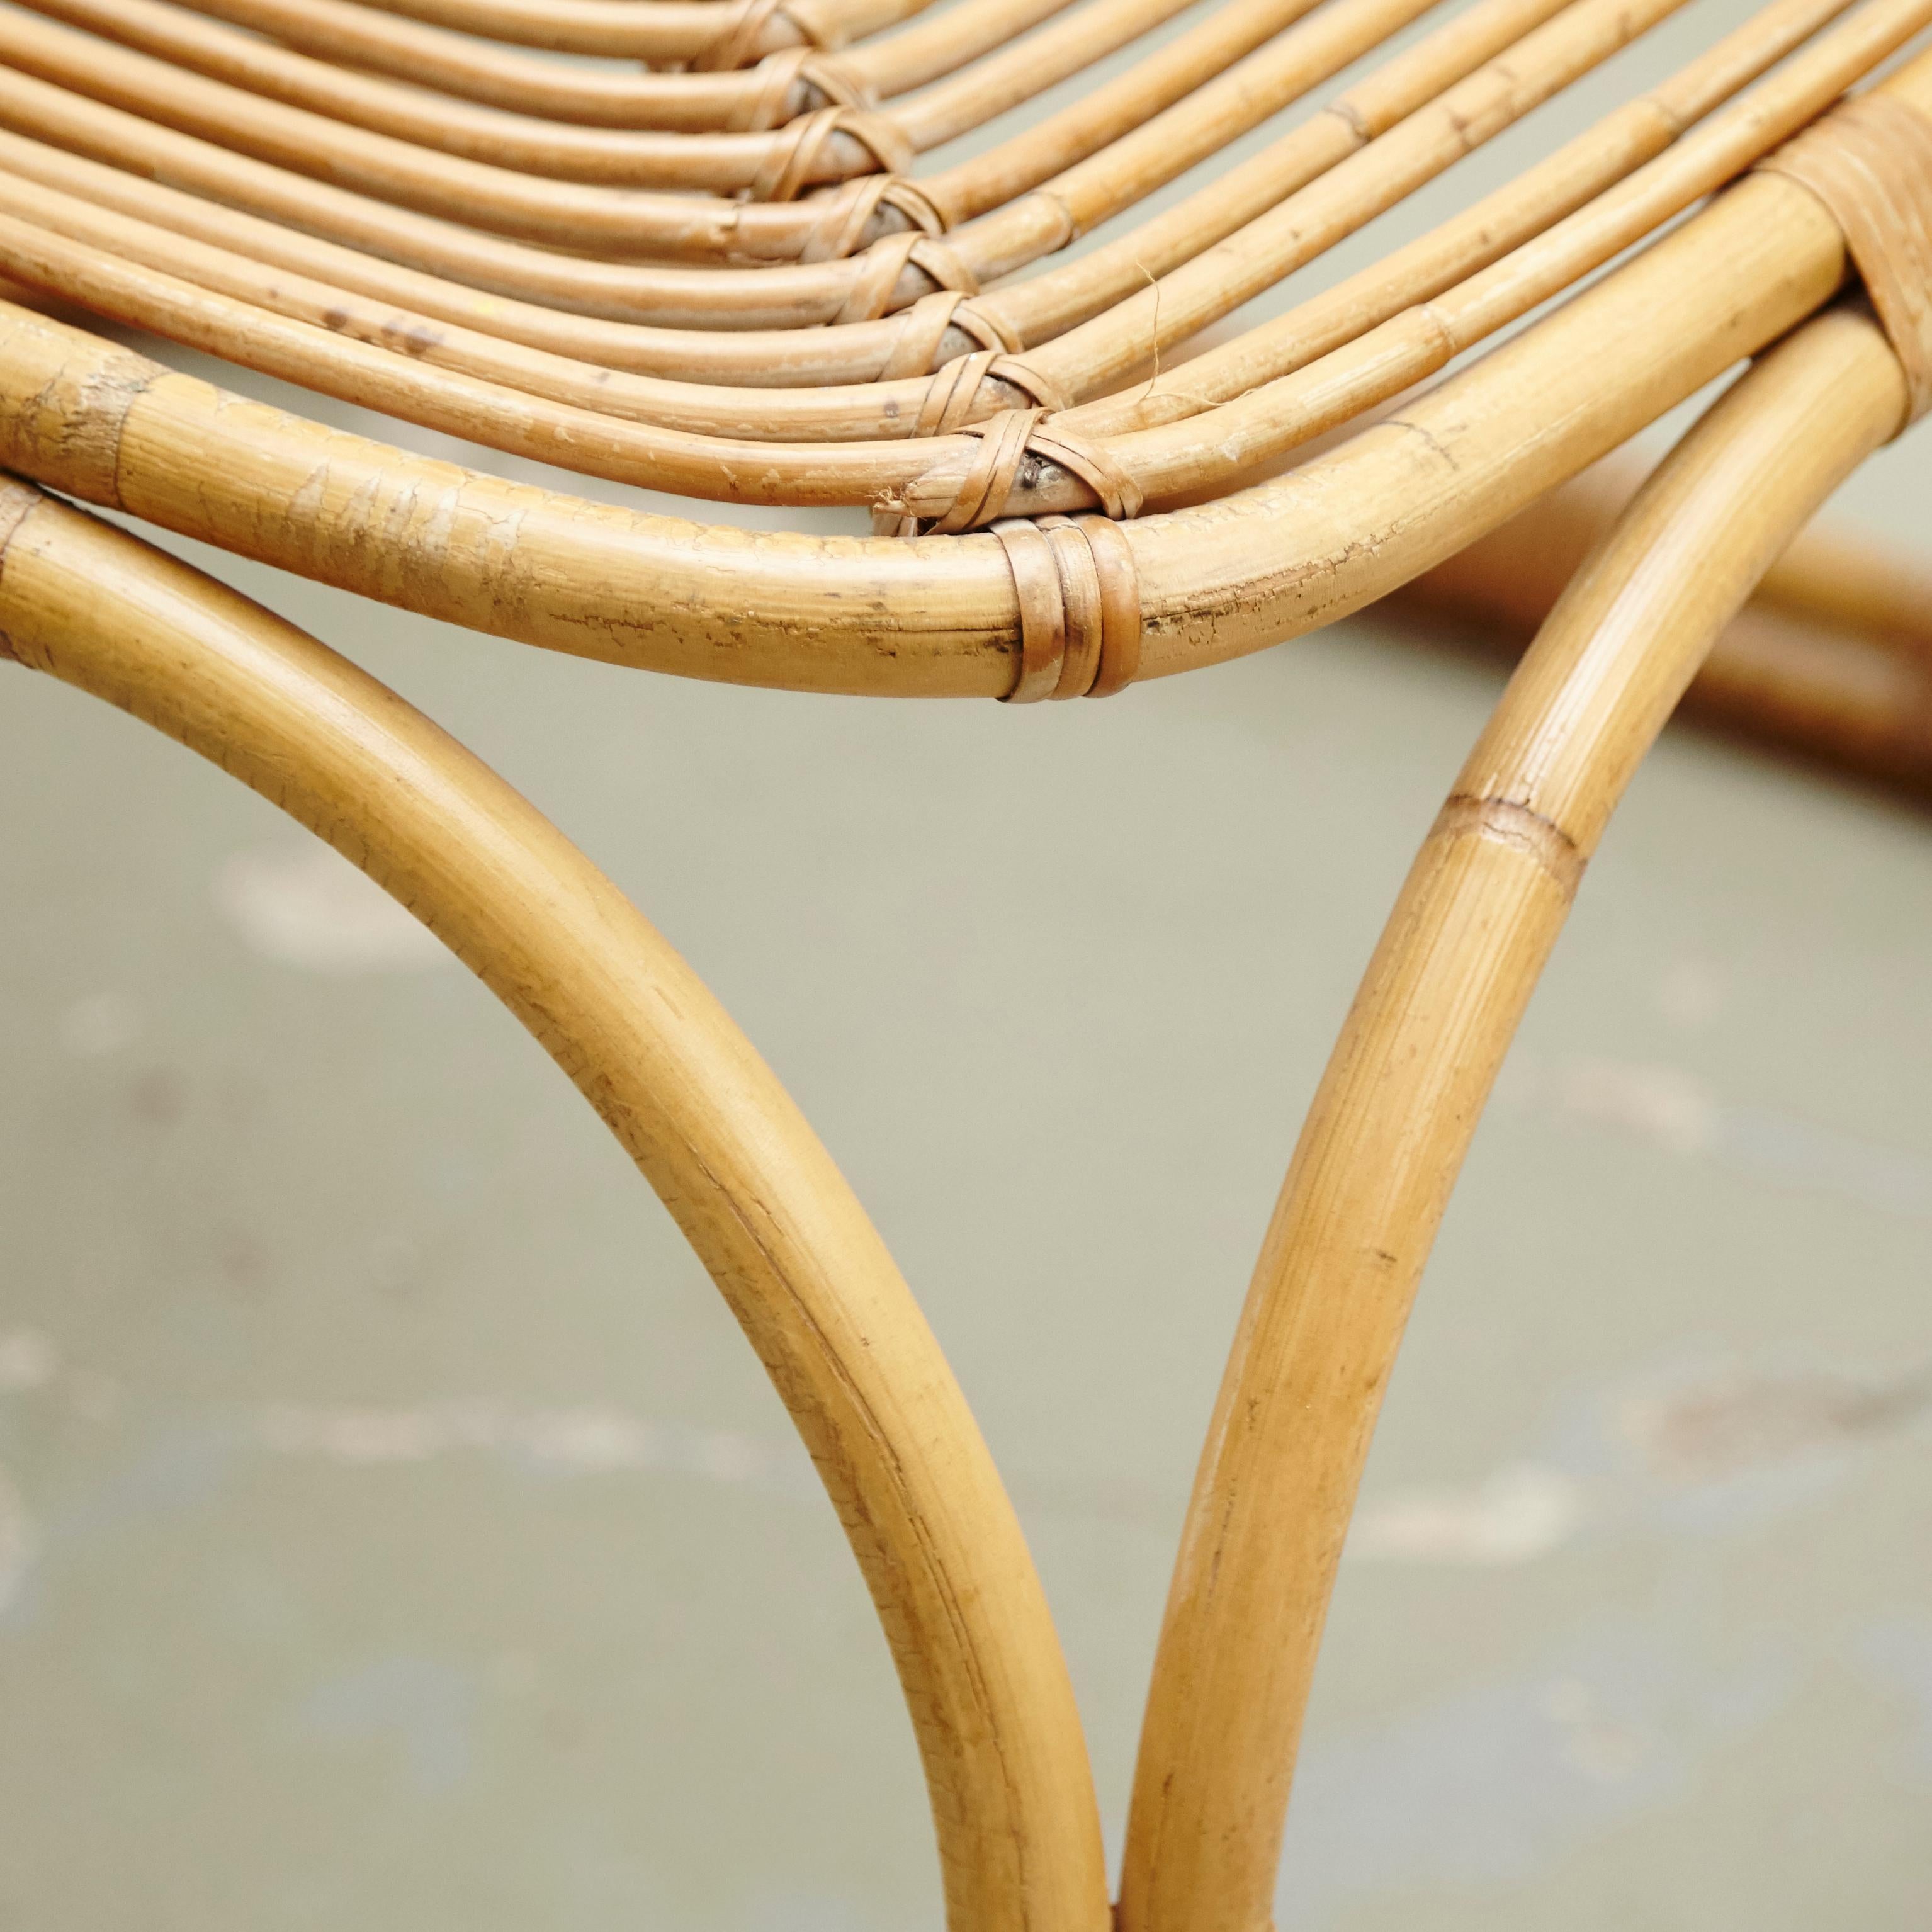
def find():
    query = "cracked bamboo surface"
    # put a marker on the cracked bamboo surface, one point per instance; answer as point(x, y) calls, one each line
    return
point(726, 1150)
point(1393, 1119)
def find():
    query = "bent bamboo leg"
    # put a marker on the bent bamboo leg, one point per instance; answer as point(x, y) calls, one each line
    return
point(715, 1133)
point(1831, 659)
point(1393, 1118)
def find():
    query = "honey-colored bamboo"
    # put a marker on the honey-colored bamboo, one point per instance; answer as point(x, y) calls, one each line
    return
point(1830, 660)
point(98, 272)
point(1198, 448)
point(801, 294)
point(1396, 1110)
point(1549, 192)
point(687, 1096)
point(618, 221)
point(704, 160)
point(721, 282)
point(359, 36)
point(618, 451)
point(725, 162)
point(939, 616)
point(1087, 162)
point(854, 353)
point(661, 31)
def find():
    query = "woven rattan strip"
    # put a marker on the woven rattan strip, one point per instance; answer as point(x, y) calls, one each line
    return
point(1870, 162)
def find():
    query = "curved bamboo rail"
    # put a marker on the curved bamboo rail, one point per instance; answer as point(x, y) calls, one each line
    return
point(362, 129)
point(320, 281)
point(718, 282)
point(1088, 161)
point(1393, 1119)
point(1235, 410)
point(682, 1089)
point(360, 36)
point(938, 616)
point(1831, 659)
point(659, 31)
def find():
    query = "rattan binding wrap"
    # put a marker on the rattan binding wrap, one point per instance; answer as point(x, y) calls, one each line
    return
point(913, 376)
point(1870, 162)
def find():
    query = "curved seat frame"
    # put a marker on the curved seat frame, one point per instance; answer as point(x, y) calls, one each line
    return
point(946, 410)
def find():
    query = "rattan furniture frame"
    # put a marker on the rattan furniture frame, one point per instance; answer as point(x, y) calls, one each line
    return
point(714, 277)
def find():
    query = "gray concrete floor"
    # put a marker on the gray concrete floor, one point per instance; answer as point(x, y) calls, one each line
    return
point(395, 1531)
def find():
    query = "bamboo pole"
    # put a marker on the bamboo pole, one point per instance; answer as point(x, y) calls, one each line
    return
point(715, 161)
point(1664, 120)
point(51, 103)
point(857, 353)
point(623, 222)
point(453, 63)
point(1396, 1110)
point(1198, 447)
point(625, 429)
point(687, 160)
point(796, 295)
point(1442, 65)
point(1831, 661)
point(938, 617)
point(657, 30)
point(1186, 101)
point(1088, 161)
point(682, 1089)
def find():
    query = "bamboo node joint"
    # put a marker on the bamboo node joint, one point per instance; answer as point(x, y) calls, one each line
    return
point(1508, 821)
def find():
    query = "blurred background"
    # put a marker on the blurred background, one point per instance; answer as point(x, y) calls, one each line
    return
point(394, 1530)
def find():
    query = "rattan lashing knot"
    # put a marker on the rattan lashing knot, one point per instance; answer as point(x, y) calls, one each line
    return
point(847, 214)
point(1012, 448)
point(922, 330)
point(874, 288)
point(791, 163)
point(1079, 607)
point(1870, 162)
point(953, 401)
point(743, 26)
point(789, 71)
